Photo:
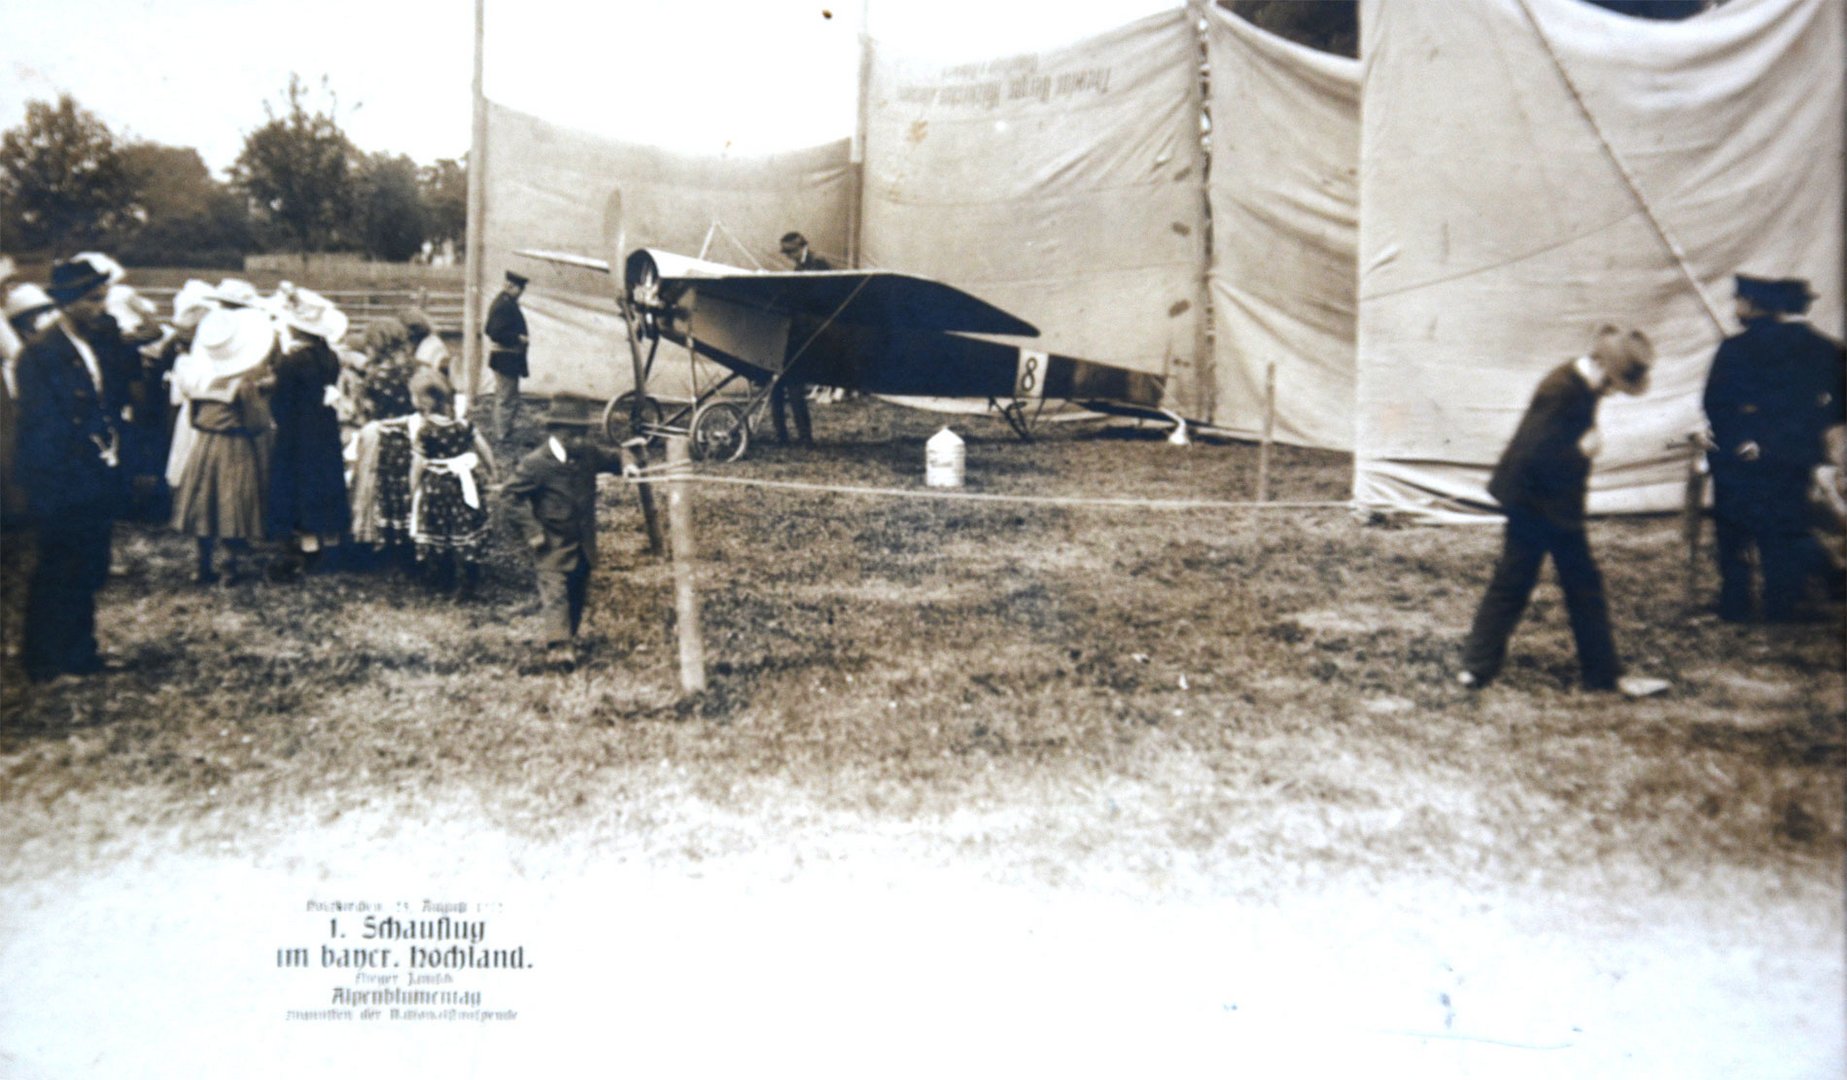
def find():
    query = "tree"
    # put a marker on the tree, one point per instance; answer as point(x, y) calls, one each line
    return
point(391, 216)
point(298, 170)
point(189, 219)
point(445, 199)
point(63, 183)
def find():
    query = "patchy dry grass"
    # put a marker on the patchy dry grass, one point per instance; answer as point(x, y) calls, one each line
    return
point(1260, 697)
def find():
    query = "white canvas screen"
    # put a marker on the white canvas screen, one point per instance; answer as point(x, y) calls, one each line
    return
point(1530, 168)
point(1062, 185)
point(1285, 227)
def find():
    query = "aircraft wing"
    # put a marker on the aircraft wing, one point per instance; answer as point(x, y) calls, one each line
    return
point(565, 258)
point(866, 297)
point(883, 298)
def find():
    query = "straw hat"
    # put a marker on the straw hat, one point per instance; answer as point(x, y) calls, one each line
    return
point(237, 292)
point(311, 313)
point(26, 299)
point(191, 303)
point(135, 315)
point(233, 340)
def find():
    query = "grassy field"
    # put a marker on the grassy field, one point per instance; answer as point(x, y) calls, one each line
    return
point(1182, 706)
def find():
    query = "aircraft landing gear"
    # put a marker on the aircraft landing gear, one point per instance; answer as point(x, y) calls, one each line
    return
point(1015, 412)
point(621, 420)
point(721, 432)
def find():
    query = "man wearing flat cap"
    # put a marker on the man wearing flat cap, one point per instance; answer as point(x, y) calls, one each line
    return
point(1774, 392)
point(1541, 482)
point(68, 463)
point(506, 356)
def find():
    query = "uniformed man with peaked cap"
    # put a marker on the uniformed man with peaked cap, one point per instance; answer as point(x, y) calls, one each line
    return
point(1774, 391)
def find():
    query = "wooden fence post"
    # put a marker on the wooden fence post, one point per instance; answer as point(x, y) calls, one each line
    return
point(1693, 516)
point(635, 452)
point(685, 603)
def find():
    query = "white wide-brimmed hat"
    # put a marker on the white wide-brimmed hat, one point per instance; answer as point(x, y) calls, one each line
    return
point(238, 292)
point(135, 315)
point(192, 302)
point(312, 313)
point(233, 340)
point(26, 298)
point(104, 265)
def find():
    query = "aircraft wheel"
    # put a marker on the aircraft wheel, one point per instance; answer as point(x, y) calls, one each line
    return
point(720, 433)
point(621, 421)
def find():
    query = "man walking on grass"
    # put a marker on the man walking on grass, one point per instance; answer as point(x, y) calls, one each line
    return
point(1541, 482)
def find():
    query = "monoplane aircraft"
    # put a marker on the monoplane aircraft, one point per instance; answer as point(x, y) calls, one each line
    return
point(875, 331)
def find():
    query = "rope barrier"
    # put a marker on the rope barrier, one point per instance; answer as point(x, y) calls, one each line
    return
point(654, 472)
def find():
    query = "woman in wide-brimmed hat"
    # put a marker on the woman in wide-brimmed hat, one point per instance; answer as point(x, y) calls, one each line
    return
point(307, 476)
point(191, 304)
point(224, 484)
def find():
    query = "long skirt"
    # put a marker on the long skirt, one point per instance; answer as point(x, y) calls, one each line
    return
point(223, 487)
point(394, 459)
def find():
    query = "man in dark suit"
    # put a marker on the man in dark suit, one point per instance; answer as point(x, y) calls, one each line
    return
point(506, 334)
point(1540, 482)
point(551, 500)
point(791, 391)
point(68, 463)
point(1774, 392)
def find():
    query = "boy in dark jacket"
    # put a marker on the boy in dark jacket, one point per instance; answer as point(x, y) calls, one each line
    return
point(552, 501)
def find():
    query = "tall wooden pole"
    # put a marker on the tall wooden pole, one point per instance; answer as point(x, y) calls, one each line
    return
point(477, 217)
point(1199, 389)
point(685, 602)
point(857, 155)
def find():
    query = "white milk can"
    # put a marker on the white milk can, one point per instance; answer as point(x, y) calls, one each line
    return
point(944, 455)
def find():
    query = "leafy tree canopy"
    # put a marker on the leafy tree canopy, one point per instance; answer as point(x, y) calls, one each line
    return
point(445, 199)
point(391, 219)
point(298, 169)
point(188, 218)
point(64, 184)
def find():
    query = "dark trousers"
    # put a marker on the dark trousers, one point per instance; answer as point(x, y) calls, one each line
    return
point(73, 562)
point(1764, 508)
point(794, 394)
point(562, 594)
point(1527, 541)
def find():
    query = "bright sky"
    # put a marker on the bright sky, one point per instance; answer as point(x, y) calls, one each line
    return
point(749, 74)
